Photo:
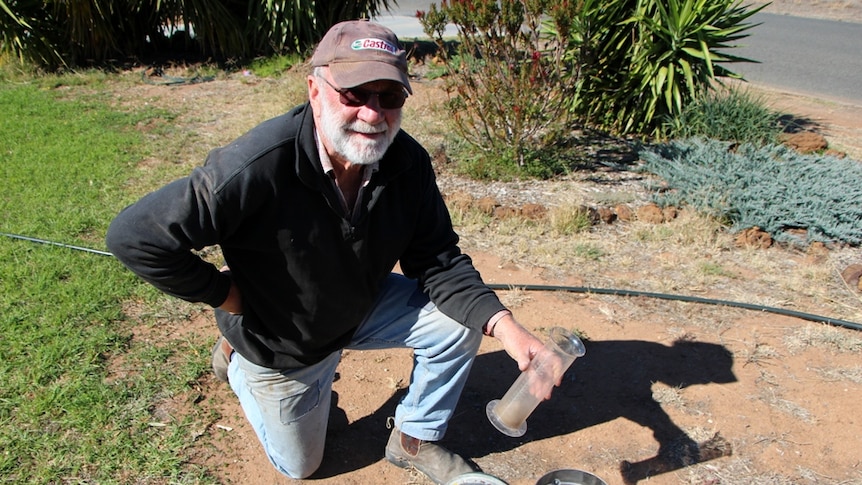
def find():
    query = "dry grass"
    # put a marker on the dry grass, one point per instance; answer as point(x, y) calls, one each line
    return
point(691, 255)
point(774, 398)
point(850, 374)
point(822, 336)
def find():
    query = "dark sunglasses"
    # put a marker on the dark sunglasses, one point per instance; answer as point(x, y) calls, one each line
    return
point(356, 97)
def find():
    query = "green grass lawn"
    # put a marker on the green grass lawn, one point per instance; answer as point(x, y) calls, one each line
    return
point(64, 416)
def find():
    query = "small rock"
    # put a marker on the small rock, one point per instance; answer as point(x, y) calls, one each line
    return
point(669, 213)
point(852, 275)
point(487, 205)
point(624, 213)
point(607, 215)
point(591, 213)
point(504, 212)
point(835, 153)
point(817, 252)
point(533, 211)
point(460, 201)
point(754, 237)
point(651, 214)
point(805, 141)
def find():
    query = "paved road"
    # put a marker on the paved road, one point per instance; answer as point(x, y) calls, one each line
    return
point(806, 56)
point(813, 57)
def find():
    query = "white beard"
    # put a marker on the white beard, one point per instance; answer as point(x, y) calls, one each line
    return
point(356, 150)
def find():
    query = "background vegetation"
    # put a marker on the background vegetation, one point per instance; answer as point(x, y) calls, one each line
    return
point(733, 114)
point(771, 187)
point(645, 60)
point(74, 33)
point(523, 72)
point(508, 79)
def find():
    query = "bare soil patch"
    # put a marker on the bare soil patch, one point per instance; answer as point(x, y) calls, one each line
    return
point(668, 392)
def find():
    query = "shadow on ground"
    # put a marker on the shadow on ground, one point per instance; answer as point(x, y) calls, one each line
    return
point(613, 380)
point(797, 124)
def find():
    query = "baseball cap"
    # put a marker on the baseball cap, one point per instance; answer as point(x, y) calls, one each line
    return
point(361, 51)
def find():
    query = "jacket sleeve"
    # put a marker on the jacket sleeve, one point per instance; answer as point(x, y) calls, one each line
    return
point(445, 273)
point(157, 236)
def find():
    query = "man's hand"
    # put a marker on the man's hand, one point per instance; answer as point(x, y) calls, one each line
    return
point(518, 342)
point(233, 303)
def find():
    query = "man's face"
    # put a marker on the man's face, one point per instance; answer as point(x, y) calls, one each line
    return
point(359, 135)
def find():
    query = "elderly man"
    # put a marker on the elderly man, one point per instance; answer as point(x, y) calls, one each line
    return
point(312, 211)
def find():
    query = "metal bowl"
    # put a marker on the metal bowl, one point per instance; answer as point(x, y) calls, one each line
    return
point(475, 478)
point(570, 477)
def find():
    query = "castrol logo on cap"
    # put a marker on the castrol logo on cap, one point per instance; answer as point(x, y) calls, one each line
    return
point(374, 44)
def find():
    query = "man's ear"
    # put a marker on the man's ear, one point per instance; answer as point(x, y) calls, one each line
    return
point(314, 93)
point(313, 86)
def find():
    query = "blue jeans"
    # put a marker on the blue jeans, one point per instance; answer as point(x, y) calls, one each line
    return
point(289, 409)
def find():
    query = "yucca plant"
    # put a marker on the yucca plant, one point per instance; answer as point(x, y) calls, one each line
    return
point(282, 27)
point(23, 34)
point(212, 27)
point(58, 33)
point(652, 56)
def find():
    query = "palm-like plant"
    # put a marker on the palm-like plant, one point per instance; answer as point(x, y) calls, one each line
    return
point(293, 26)
point(56, 33)
point(662, 54)
point(22, 32)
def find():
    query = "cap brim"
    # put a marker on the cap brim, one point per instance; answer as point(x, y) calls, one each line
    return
point(352, 74)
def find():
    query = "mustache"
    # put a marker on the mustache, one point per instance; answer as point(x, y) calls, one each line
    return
point(366, 129)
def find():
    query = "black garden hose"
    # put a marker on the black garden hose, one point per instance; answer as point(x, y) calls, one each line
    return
point(691, 299)
point(52, 243)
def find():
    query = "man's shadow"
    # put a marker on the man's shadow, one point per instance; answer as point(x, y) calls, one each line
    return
point(613, 380)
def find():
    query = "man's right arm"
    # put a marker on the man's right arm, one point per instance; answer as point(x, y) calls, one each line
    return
point(155, 238)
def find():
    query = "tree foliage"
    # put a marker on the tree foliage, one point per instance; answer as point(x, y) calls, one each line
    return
point(57, 33)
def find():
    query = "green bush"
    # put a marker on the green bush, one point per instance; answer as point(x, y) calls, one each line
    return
point(522, 72)
point(729, 115)
point(772, 187)
point(641, 61)
point(53, 34)
point(506, 74)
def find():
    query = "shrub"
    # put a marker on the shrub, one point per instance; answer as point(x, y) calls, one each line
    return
point(54, 34)
point(644, 60)
point(507, 81)
point(772, 187)
point(523, 71)
point(732, 114)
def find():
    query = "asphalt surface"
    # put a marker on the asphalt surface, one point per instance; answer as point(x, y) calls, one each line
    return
point(802, 55)
point(815, 57)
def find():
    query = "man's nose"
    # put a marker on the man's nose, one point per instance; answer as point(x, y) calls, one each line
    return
point(371, 112)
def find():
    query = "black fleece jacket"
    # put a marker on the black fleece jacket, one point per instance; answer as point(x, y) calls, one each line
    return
point(308, 276)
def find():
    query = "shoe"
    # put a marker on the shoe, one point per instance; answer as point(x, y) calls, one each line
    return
point(221, 358)
point(436, 462)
